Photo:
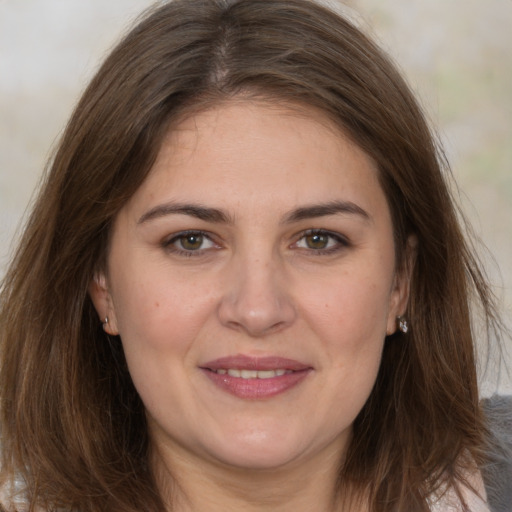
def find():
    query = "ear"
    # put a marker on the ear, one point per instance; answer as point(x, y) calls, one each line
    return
point(102, 300)
point(402, 285)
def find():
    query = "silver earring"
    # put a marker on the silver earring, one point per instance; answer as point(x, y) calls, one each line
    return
point(402, 324)
point(105, 323)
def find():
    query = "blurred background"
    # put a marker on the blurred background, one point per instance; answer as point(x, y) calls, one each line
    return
point(456, 55)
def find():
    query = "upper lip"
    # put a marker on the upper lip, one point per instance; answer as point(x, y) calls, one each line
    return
point(243, 362)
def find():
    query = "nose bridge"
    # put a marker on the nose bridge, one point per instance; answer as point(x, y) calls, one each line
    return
point(256, 298)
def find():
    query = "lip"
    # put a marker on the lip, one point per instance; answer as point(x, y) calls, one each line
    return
point(243, 362)
point(255, 388)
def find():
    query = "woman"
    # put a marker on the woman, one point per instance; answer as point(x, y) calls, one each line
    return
point(243, 284)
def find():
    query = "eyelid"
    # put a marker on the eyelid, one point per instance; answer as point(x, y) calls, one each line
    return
point(341, 241)
point(168, 242)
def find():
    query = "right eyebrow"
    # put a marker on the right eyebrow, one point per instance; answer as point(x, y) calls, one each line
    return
point(193, 210)
point(325, 209)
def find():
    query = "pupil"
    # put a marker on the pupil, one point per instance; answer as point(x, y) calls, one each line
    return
point(317, 241)
point(192, 242)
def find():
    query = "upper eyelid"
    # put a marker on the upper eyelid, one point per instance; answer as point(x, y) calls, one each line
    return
point(168, 240)
point(320, 231)
point(185, 232)
point(341, 243)
point(214, 238)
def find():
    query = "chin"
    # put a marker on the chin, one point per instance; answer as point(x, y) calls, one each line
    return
point(258, 460)
point(259, 450)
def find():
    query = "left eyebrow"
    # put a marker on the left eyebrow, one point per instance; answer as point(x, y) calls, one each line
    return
point(323, 210)
point(193, 210)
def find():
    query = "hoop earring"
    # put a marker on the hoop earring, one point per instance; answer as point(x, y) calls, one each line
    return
point(403, 326)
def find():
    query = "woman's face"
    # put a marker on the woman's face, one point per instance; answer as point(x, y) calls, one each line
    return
point(252, 281)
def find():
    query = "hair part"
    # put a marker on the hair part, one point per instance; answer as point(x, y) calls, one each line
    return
point(73, 426)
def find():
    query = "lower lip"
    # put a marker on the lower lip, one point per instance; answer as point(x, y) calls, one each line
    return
point(257, 388)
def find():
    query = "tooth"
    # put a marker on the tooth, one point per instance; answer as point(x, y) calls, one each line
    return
point(249, 374)
point(252, 374)
point(266, 374)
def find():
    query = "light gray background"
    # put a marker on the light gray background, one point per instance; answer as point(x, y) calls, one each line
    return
point(456, 53)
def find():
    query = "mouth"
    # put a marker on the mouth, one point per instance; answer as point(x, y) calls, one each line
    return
point(252, 374)
point(255, 378)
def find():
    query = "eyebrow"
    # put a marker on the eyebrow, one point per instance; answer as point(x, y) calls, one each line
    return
point(193, 210)
point(218, 216)
point(323, 210)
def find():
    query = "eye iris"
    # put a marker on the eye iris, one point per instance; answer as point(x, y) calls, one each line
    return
point(317, 241)
point(191, 242)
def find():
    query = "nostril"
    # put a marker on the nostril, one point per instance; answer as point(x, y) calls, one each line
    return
point(256, 318)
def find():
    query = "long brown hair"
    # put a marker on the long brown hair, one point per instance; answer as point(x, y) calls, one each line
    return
point(73, 427)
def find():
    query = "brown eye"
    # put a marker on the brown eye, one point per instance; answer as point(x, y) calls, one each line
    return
point(322, 242)
point(317, 240)
point(191, 241)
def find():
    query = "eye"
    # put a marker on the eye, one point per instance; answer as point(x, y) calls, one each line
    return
point(321, 241)
point(189, 242)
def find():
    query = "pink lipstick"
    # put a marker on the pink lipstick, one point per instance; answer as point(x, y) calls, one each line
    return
point(255, 377)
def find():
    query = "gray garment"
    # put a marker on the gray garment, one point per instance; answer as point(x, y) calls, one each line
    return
point(497, 473)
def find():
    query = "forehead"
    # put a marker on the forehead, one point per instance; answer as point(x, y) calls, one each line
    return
point(260, 152)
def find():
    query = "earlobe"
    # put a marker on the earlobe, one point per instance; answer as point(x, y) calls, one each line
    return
point(401, 290)
point(102, 300)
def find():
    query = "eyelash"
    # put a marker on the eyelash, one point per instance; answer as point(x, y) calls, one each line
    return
point(169, 244)
point(340, 242)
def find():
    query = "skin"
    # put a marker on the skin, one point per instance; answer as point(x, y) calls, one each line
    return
point(259, 284)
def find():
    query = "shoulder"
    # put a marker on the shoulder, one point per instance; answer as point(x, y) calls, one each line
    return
point(493, 482)
point(10, 497)
point(13, 498)
point(497, 472)
point(473, 496)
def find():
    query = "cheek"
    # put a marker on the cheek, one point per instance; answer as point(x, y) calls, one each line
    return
point(160, 318)
point(160, 310)
point(349, 325)
point(351, 307)
point(349, 318)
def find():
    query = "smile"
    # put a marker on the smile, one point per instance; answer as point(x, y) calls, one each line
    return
point(252, 374)
point(255, 378)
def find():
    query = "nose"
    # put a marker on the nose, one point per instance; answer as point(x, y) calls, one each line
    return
point(256, 299)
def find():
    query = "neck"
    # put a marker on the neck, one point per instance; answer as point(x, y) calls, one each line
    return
point(298, 487)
